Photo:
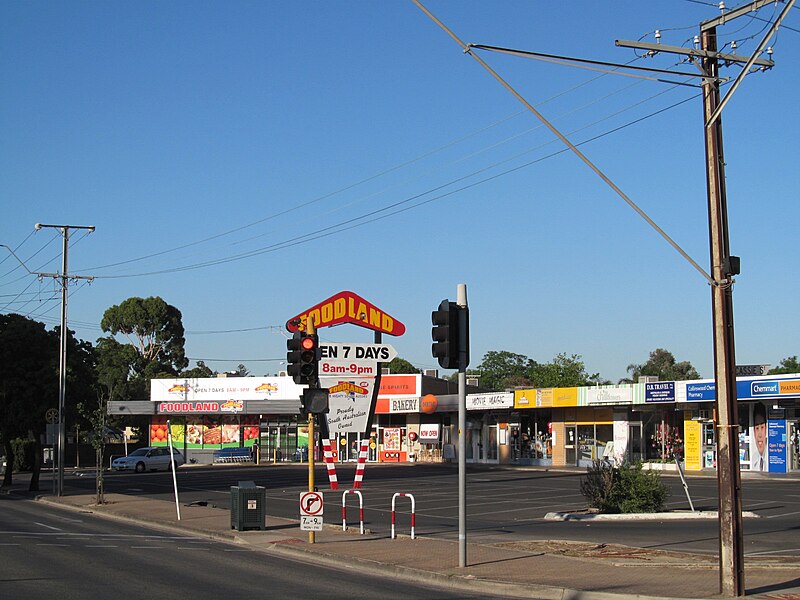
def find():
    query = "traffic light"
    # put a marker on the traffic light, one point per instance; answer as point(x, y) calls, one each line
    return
point(445, 334)
point(302, 357)
point(314, 400)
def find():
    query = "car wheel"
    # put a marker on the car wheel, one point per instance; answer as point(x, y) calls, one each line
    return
point(140, 468)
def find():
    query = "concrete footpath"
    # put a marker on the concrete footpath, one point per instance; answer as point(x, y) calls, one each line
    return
point(558, 569)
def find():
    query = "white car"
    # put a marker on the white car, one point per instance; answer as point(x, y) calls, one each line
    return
point(147, 459)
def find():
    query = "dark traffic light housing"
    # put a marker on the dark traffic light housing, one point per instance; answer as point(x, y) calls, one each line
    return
point(302, 358)
point(314, 400)
point(450, 334)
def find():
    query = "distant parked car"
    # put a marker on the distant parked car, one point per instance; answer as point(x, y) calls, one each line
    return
point(147, 459)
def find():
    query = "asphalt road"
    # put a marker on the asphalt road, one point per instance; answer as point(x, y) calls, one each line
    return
point(47, 553)
point(502, 504)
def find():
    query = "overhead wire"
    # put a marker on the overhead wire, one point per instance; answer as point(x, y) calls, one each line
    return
point(349, 186)
point(376, 215)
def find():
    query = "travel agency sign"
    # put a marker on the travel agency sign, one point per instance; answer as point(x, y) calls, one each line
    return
point(350, 372)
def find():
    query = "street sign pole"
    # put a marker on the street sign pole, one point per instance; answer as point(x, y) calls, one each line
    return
point(311, 447)
point(462, 445)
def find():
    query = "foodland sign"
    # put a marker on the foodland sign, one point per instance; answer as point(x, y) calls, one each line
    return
point(347, 307)
point(350, 372)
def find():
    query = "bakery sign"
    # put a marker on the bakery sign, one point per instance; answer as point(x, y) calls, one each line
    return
point(404, 404)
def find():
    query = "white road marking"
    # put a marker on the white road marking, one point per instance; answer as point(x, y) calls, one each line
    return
point(772, 552)
point(47, 526)
point(60, 545)
point(797, 512)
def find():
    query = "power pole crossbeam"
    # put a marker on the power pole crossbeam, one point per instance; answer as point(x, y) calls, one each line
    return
point(694, 53)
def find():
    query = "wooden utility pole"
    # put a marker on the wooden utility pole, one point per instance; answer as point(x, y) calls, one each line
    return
point(729, 482)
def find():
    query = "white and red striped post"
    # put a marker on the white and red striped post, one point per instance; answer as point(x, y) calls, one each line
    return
point(360, 509)
point(362, 463)
point(413, 512)
point(327, 454)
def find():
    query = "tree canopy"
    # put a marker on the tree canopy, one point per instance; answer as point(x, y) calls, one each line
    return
point(155, 329)
point(400, 366)
point(564, 371)
point(29, 381)
point(662, 364)
point(500, 370)
point(787, 365)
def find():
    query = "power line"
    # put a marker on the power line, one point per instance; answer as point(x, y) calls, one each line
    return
point(375, 215)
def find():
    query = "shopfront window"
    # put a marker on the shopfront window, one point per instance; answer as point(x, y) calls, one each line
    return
point(534, 440)
point(586, 443)
point(663, 435)
point(593, 440)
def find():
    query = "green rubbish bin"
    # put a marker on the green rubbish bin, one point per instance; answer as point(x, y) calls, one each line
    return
point(248, 506)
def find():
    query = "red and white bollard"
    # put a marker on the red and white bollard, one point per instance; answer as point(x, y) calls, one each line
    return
point(413, 512)
point(360, 509)
point(327, 454)
point(362, 463)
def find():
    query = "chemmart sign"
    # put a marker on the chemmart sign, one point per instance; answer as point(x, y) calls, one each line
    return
point(780, 387)
point(746, 389)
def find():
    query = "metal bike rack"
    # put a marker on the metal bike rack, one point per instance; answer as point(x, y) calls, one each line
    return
point(413, 512)
point(360, 509)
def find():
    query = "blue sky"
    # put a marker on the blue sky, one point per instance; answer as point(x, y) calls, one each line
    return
point(247, 160)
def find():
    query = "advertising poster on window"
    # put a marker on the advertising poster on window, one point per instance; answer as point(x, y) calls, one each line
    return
point(759, 450)
point(692, 449)
point(776, 435)
point(391, 439)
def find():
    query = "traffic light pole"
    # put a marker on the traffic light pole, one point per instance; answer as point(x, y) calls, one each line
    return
point(312, 442)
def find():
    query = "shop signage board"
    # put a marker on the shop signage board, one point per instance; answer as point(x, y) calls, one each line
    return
point(489, 401)
point(311, 511)
point(222, 390)
point(613, 395)
point(429, 432)
point(743, 370)
point(404, 404)
point(659, 391)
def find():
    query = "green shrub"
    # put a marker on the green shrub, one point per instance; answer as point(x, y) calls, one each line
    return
point(598, 484)
point(623, 489)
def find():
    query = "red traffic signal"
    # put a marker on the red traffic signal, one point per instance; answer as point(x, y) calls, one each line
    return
point(302, 357)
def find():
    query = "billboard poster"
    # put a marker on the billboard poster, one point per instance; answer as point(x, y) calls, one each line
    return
point(776, 436)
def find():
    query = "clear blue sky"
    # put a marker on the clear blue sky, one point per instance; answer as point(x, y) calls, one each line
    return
point(297, 149)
